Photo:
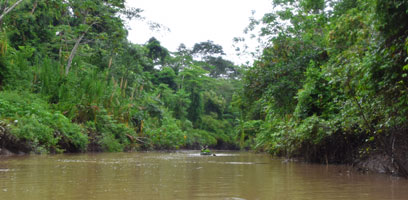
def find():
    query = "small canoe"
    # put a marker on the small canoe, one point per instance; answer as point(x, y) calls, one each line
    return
point(205, 153)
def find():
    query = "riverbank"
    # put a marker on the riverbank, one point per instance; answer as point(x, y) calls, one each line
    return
point(376, 163)
point(29, 123)
point(10, 144)
point(14, 144)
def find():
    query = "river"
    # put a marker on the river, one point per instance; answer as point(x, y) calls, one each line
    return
point(186, 175)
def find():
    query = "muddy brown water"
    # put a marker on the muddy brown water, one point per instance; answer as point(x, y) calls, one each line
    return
point(187, 175)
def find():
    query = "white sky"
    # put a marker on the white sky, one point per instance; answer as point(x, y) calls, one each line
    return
point(194, 21)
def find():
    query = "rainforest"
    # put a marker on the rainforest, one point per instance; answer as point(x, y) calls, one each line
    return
point(329, 85)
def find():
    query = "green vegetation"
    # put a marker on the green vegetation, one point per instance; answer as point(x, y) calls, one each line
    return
point(331, 84)
point(71, 82)
point(43, 129)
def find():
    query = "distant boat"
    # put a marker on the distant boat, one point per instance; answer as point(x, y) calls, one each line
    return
point(205, 153)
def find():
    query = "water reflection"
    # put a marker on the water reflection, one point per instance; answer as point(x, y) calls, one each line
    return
point(186, 175)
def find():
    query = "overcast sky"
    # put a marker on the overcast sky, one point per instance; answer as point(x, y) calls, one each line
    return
point(193, 21)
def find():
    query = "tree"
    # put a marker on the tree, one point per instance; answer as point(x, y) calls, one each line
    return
point(167, 76)
point(212, 60)
point(207, 48)
point(181, 59)
point(219, 67)
point(156, 52)
point(193, 80)
point(99, 20)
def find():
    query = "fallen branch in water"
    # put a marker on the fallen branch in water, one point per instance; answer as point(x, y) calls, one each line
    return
point(139, 139)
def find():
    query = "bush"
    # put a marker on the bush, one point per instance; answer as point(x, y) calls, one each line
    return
point(220, 129)
point(106, 134)
point(33, 121)
point(165, 135)
point(197, 138)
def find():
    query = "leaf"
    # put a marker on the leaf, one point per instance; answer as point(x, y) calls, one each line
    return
point(405, 68)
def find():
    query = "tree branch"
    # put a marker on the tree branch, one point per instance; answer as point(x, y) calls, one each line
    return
point(7, 10)
point(74, 50)
point(34, 7)
point(4, 6)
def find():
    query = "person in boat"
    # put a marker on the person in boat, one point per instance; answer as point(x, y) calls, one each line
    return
point(205, 150)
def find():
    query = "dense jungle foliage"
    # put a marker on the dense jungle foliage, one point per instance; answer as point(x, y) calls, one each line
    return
point(330, 84)
point(71, 82)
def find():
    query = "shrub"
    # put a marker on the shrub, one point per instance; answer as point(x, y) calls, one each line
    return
point(108, 134)
point(33, 121)
point(165, 135)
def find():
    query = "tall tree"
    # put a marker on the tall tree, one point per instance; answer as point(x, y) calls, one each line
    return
point(97, 20)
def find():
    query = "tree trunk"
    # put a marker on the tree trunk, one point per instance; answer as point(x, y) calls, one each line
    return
point(73, 52)
point(34, 7)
